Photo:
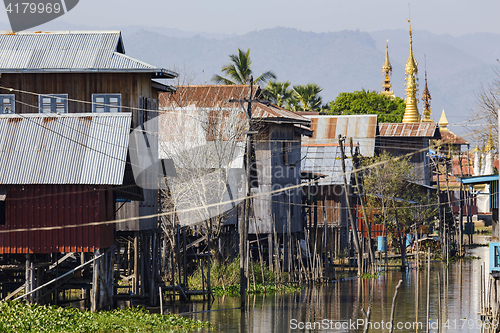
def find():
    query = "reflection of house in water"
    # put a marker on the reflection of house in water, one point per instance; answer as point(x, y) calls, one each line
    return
point(321, 158)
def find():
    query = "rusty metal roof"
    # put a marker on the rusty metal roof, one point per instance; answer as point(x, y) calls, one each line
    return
point(448, 137)
point(326, 131)
point(218, 96)
point(418, 130)
point(77, 148)
point(70, 51)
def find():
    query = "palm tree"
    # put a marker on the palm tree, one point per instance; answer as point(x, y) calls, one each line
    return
point(277, 92)
point(305, 98)
point(238, 71)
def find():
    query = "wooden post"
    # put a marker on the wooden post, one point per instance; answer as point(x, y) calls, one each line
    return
point(29, 278)
point(346, 191)
point(161, 300)
point(95, 283)
point(270, 251)
point(394, 306)
point(441, 224)
point(243, 226)
point(355, 163)
point(439, 302)
point(135, 282)
point(461, 216)
point(428, 286)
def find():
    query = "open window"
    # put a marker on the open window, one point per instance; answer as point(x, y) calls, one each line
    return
point(106, 103)
point(57, 103)
point(7, 103)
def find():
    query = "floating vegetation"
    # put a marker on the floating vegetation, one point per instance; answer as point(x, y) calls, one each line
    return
point(22, 317)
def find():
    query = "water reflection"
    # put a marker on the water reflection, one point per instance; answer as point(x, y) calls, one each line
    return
point(337, 307)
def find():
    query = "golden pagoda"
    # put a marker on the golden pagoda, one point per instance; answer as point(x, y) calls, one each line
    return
point(387, 70)
point(426, 97)
point(443, 122)
point(489, 144)
point(411, 112)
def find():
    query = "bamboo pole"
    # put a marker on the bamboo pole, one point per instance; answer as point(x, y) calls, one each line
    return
point(428, 286)
point(359, 186)
point(394, 305)
point(351, 218)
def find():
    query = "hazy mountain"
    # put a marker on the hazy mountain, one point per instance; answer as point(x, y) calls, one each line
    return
point(338, 61)
point(341, 61)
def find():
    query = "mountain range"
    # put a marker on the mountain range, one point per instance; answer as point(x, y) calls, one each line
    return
point(344, 61)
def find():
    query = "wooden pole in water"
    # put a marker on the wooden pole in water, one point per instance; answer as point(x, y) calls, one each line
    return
point(439, 303)
point(243, 226)
point(394, 305)
point(428, 285)
point(351, 218)
point(161, 300)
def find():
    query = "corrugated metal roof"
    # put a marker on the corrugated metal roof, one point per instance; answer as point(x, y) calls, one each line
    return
point(218, 96)
point(326, 160)
point(78, 148)
point(448, 137)
point(421, 130)
point(326, 131)
point(69, 51)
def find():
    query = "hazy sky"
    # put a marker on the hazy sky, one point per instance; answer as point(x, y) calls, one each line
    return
point(456, 17)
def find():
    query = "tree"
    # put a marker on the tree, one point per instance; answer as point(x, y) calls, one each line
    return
point(388, 109)
point(239, 71)
point(386, 181)
point(305, 98)
point(278, 92)
point(488, 103)
point(204, 145)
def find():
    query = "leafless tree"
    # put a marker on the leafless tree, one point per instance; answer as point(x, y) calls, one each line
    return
point(205, 140)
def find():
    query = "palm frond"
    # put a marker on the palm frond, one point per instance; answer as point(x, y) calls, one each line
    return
point(221, 80)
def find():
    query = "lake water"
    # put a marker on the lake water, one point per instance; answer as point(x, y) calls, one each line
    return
point(337, 306)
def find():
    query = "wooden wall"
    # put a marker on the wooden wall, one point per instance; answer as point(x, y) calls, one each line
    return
point(417, 147)
point(275, 173)
point(78, 86)
point(135, 90)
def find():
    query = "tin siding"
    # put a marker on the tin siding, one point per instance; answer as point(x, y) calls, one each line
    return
point(38, 206)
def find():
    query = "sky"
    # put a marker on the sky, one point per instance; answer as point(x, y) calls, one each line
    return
point(455, 17)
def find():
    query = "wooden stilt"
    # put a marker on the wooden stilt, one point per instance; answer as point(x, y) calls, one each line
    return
point(95, 283)
point(135, 282)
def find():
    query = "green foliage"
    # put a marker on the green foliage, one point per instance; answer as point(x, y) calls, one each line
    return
point(234, 290)
point(389, 110)
point(277, 92)
point(24, 317)
point(225, 279)
point(239, 71)
point(369, 276)
point(305, 98)
point(385, 179)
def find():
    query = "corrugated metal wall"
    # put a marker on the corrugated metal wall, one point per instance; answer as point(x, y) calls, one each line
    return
point(38, 206)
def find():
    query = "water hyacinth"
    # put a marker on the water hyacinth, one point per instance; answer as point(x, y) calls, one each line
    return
point(25, 317)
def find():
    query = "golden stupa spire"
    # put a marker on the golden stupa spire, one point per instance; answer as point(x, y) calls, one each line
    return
point(387, 70)
point(443, 122)
point(411, 112)
point(489, 144)
point(426, 97)
point(477, 146)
